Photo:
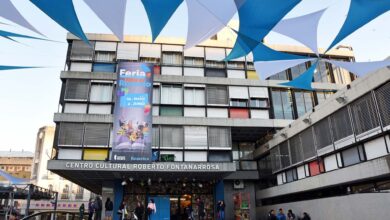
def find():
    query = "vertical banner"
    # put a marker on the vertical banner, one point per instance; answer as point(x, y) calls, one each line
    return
point(133, 116)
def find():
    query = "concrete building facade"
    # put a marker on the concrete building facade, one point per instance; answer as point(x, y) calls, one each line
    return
point(210, 117)
point(16, 163)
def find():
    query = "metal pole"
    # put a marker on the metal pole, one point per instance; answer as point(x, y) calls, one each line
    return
point(30, 189)
point(55, 205)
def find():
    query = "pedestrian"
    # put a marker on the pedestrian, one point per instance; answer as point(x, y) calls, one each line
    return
point(122, 211)
point(109, 206)
point(139, 211)
point(189, 212)
point(221, 210)
point(151, 209)
point(271, 215)
point(306, 216)
point(91, 208)
point(98, 208)
point(290, 215)
point(201, 210)
point(81, 211)
point(281, 215)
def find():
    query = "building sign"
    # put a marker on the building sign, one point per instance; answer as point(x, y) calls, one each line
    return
point(133, 116)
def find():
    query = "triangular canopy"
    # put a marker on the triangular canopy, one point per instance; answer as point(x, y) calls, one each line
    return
point(13, 180)
point(304, 80)
point(360, 68)
point(266, 69)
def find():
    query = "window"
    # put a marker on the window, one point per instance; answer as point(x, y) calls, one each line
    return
point(70, 134)
point(239, 113)
point(172, 58)
point(352, 156)
point(246, 151)
point(304, 102)
point(171, 94)
point(128, 51)
point(217, 95)
point(316, 167)
point(215, 64)
point(322, 96)
point(171, 111)
point(149, 60)
point(76, 89)
point(282, 104)
point(215, 73)
point(195, 137)
point(96, 135)
point(104, 67)
point(79, 192)
point(279, 76)
point(105, 56)
point(383, 99)
point(322, 134)
point(219, 137)
point(341, 76)
point(238, 102)
point(291, 175)
point(193, 61)
point(81, 50)
point(251, 74)
point(250, 66)
point(341, 124)
point(248, 165)
point(236, 65)
point(275, 159)
point(220, 156)
point(307, 141)
point(65, 192)
point(194, 96)
point(156, 136)
point(284, 154)
point(171, 137)
point(258, 103)
point(298, 70)
point(322, 73)
point(364, 114)
point(101, 92)
point(156, 95)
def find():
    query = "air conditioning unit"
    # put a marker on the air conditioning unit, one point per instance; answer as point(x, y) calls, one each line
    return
point(238, 184)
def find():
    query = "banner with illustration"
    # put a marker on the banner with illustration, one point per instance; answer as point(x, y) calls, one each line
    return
point(132, 130)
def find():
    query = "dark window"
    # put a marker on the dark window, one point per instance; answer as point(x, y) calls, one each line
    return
point(216, 73)
point(291, 175)
point(322, 134)
point(258, 103)
point(364, 114)
point(215, 64)
point(296, 149)
point(308, 143)
point(96, 135)
point(217, 95)
point(383, 99)
point(220, 156)
point(71, 134)
point(171, 111)
point(352, 156)
point(171, 136)
point(238, 102)
point(341, 124)
point(284, 154)
point(219, 137)
point(76, 89)
point(104, 67)
point(81, 50)
point(236, 65)
point(156, 136)
point(275, 158)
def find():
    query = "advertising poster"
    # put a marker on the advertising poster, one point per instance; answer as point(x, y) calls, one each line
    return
point(132, 130)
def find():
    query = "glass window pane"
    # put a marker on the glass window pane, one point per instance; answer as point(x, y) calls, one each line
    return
point(219, 137)
point(104, 56)
point(282, 104)
point(171, 94)
point(383, 98)
point(193, 61)
point(81, 50)
point(96, 135)
point(217, 95)
point(298, 70)
point(350, 156)
point(104, 67)
point(171, 111)
point(341, 124)
point(101, 92)
point(279, 76)
point(171, 137)
point(172, 58)
point(364, 114)
point(76, 89)
point(216, 73)
point(322, 73)
point(220, 156)
point(194, 96)
point(71, 134)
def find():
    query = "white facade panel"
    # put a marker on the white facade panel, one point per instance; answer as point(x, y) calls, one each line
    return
point(195, 156)
point(301, 172)
point(173, 71)
point(127, 51)
point(174, 48)
point(263, 114)
point(194, 52)
point(258, 92)
point(105, 46)
point(279, 177)
point(193, 71)
point(75, 108)
point(81, 67)
point(238, 92)
point(217, 54)
point(236, 74)
point(249, 57)
point(99, 109)
point(69, 154)
point(330, 163)
point(178, 154)
point(150, 50)
point(375, 148)
point(194, 112)
point(217, 113)
point(155, 110)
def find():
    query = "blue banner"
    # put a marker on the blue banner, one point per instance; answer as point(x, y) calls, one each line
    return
point(133, 113)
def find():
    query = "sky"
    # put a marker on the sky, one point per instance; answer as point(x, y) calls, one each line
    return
point(29, 98)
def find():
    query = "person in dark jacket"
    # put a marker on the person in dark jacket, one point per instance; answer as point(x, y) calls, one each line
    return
point(201, 210)
point(221, 210)
point(109, 206)
point(98, 208)
point(306, 216)
point(81, 211)
point(290, 215)
point(271, 215)
point(139, 211)
point(91, 209)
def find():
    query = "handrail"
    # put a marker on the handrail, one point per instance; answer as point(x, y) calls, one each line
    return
point(50, 212)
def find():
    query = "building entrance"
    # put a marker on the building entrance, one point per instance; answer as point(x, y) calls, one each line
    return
point(174, 201)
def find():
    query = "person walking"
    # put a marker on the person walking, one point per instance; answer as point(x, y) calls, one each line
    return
point(151, 209)
point(91, 208)
point(139, 211)
point(109, 206)
point(271, 215)
point(201, 210)
point(81, 211)
point(221, 210)
point(98, 208)
point(122, 211)
point(290, 215)
point(306, 216)
point(281, 215)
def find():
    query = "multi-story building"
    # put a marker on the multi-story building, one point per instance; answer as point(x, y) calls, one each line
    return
point(16, 163)
point(68, 192)
point(332, 162)
point(209, 116)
